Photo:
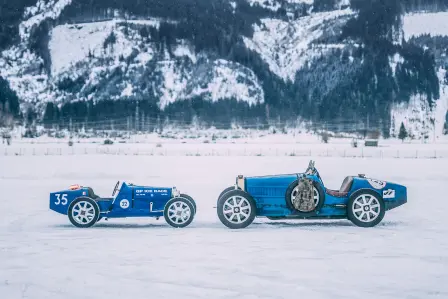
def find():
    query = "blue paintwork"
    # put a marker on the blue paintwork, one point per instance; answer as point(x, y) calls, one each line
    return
point(269, 193)
point(143, 201)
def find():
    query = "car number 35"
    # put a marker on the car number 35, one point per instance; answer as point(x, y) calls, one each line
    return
point(61, 200)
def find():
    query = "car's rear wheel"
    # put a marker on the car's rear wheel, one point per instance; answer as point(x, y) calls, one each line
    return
point(227, 190)
point(83, 212)
point(179, 212)
point(236, 209)
point(365, 208)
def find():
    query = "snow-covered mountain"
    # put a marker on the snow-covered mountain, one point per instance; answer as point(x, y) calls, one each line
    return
point(249, 59)
point(421, 120)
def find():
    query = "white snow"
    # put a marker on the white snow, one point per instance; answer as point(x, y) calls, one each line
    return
point(70, 44)
point(415, 116)
point(394, 61)
point(286, 46)
point(184, 50)
point(43, 256)
point(44, 9)
point(128, 91)
point(229, 83)
point(269, 4)
point(174, 84)
point(274, 5)
point(434, 24)
point(418, 118)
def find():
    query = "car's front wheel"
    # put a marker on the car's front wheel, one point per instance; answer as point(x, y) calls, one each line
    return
point(83, 212)
point(190, 199)
point(365, 208)
point(179, 212)
point(236, 209)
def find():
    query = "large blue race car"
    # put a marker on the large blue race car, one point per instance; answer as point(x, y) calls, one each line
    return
point(362, 200)
point(84, 208)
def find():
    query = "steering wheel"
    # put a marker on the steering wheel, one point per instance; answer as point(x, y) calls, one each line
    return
point(311, 169)
point(116, 188)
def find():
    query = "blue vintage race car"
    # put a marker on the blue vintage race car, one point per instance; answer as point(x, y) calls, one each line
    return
point(84, 208)
point(362, 200)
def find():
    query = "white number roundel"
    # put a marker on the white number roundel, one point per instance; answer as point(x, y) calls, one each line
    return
point(377, 184)
point(124, 204)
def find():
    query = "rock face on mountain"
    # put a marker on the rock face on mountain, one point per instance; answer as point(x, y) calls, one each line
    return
point(351, 65)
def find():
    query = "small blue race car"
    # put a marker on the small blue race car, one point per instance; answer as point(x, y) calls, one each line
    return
point(84, 208)
point(362, 200)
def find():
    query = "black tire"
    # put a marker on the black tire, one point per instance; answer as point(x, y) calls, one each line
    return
point(227, 190)
point(248, 220)
point(305, 214)
point(353, 217)
point(191, 199)
point(167, 213)
point(96, 213)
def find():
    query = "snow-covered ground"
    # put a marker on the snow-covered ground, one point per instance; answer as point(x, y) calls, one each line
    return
point(43, 256)
point(416, 24)
point(235, 143)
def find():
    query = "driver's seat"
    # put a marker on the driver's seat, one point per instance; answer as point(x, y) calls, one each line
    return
point(345, 188)
point(91, 194)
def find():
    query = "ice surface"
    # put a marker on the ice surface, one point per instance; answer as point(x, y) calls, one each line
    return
point(43, 256)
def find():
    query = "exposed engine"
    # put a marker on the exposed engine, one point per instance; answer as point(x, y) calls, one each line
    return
point(303, 198)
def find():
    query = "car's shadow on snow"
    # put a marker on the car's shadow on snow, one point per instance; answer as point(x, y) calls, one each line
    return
point(326, 223)
point(117, 225)
point(275, 224)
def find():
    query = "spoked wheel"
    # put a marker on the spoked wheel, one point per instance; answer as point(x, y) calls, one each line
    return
point(365, 208)
point(83, 212)
point(190, 199)
point(236, 209)
point(227, 190)
point(179, 212)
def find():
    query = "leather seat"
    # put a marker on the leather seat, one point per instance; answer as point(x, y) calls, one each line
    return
point(91, 194)
point(345, 188)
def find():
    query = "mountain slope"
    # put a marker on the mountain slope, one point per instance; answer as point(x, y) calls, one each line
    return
point(336, 63)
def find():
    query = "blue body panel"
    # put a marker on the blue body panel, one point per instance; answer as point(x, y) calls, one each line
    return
point(269, 193)
point(131, 201)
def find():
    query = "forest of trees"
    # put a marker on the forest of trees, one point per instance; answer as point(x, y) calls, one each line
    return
point(9, 104)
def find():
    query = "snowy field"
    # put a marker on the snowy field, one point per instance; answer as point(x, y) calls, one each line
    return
point(43, 256)
point(268, 146)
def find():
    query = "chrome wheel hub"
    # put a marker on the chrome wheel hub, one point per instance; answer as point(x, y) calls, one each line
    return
point(366, 208)
point(83, 212)
point(179, 212)
point(237, 209)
